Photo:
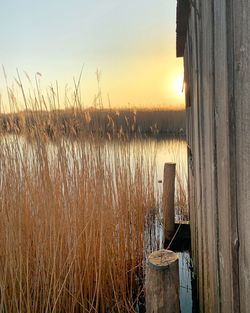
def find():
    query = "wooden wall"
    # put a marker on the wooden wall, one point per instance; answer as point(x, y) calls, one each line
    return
point(217, 76)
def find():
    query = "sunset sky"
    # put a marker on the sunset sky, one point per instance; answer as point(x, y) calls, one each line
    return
point(131, 42)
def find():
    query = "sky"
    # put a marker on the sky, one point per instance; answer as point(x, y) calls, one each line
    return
point(131, 43)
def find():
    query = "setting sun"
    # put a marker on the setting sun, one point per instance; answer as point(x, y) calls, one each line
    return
point(178, 85)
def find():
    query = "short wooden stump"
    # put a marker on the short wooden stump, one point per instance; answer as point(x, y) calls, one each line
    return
point(162, 282)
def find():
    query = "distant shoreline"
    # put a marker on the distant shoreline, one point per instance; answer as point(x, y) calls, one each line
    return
point(96, 122)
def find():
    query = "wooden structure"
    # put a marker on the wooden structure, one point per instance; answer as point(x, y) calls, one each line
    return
point(162, 282)
point(213, 36)
point(168, 207)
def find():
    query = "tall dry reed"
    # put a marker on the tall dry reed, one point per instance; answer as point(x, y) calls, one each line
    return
point(72, 213)
point(71, 225)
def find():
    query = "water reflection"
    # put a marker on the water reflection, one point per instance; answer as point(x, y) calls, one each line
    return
point(185, 282)
point(152, 151)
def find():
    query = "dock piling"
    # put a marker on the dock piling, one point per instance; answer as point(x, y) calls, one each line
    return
point(162, 282)
point(168, 200)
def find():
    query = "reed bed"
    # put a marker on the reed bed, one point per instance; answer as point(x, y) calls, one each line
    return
point(72, 225)
point(73, 208)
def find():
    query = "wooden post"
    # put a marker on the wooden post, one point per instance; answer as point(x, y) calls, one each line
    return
point(168, 200)
point(162, 282)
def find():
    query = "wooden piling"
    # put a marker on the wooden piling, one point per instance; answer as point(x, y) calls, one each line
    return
point(168, 200)
point(162, 282)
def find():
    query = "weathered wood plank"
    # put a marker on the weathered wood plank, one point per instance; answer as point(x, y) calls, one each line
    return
point(225, 141)
point(209, 204)
point(241, 11)
point(217, 71)
point(223, 161)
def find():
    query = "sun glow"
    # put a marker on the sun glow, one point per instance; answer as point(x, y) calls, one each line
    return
point(178, 84)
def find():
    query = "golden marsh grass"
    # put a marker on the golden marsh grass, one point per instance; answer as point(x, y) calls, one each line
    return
point(72, 212)
point(72, 226)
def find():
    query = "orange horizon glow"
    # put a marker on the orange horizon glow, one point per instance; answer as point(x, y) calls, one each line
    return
point(132, 43)
point(158, 87)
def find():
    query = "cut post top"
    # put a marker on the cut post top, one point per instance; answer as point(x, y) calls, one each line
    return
point(162, 259)
point(170, 164)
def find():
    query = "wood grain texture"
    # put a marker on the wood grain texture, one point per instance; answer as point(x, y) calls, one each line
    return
point(217, 74)
point(223, 158)
point(162, 282)
point(241, 16)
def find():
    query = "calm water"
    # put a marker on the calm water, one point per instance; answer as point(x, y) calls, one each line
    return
point(185, 282)
point(155, 152)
